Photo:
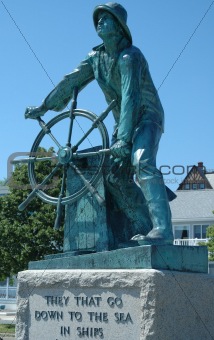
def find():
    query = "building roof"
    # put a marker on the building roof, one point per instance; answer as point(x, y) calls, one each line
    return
point(198, 178)
point(194, 205)
point(210, 177)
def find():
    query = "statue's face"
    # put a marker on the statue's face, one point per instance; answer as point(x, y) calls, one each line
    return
point(107, 25)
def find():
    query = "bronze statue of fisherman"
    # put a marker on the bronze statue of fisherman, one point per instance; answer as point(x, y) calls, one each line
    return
point(122, 73)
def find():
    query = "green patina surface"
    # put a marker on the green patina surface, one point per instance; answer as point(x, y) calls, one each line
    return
point(135, 185)
point(169, 257)
point(136, 223)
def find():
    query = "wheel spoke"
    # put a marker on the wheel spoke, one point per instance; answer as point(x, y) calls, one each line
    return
point(79, 155)
point(34, 159)
point(88, 185)
point(75, 147)
point(55, 140)
point(59, 203)
point(40, 186)
point(47, 131)
point(95, 123)
point(71, 115)
point(47, 178)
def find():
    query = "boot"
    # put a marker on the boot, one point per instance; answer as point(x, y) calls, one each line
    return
point(130, 201)
point(128, 198)
point(157, 201)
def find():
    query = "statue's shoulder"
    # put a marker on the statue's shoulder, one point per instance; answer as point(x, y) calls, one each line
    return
point(96, 50)
point(132, 54)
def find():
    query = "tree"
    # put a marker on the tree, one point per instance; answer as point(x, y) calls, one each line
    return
point(210, 243)
point(2, 182)
point(27, 235)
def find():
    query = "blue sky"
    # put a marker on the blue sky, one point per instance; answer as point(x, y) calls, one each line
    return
point(41, 41)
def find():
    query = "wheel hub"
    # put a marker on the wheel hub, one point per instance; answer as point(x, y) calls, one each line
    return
point(65, 155)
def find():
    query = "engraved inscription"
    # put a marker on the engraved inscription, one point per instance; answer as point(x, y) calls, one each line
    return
point(87, 315)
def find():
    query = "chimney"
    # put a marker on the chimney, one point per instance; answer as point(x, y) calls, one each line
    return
point(201, 167)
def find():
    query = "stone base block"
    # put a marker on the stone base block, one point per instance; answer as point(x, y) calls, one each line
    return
point(114, 305)
point(182, 258)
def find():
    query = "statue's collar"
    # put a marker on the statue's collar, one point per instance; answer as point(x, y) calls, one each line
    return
point(124, 43)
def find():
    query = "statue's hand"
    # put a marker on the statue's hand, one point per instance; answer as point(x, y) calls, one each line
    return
point(121, 149)
point(34, 112)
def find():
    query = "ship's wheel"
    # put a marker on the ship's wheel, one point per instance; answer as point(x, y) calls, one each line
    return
point(69, 138)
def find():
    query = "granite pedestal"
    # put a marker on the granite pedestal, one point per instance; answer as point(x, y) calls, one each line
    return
point(117, 304)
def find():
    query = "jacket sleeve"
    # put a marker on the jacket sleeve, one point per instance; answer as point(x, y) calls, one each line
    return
point(130, 69)
point(59, 97)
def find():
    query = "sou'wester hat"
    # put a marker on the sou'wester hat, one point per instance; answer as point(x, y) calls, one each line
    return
point(118, 12)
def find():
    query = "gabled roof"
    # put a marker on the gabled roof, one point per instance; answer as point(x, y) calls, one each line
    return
point(193, 205)
point(210, 178)
point(197, 175)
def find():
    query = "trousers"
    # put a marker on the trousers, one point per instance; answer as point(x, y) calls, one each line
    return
point(137, 186)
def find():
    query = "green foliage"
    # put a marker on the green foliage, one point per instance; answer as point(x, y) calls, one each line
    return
point(7, 329)
point(210, 244)
point(2, 182)
point(27, 235)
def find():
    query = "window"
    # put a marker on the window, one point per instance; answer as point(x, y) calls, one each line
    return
point(8, 288)
point(199, 231)
point(3, 289)
point(194, 186)
point(204, 231)
point(181, 232)
point(187, 186)
point(202, 186)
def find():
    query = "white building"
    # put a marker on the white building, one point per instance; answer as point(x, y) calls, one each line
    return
point(8, 293)
point(4, 190)
point(192, 210)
